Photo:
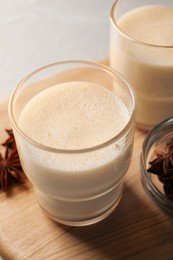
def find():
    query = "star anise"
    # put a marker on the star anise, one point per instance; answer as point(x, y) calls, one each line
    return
point(162, 166)
point(10, 142)
point(10, 167)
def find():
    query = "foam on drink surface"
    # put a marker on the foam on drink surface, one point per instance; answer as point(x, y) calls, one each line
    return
point(150, 24)
point(75, 115)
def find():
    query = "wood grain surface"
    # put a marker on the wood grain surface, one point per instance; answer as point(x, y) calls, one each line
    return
point(135, 230)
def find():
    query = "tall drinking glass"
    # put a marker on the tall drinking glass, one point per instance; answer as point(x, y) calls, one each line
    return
point(73, 144)
point(141, 49)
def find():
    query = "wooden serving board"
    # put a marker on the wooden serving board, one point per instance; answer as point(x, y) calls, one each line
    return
point(135, 230)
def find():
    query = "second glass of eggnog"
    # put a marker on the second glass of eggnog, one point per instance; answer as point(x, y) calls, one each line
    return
point(73, 123)
point(141, 49)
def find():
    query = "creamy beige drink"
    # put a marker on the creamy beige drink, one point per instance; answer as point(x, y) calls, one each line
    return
point(75, 116)
point(142, 61)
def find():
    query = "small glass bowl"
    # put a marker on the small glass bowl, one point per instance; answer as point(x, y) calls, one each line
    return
point(156, 139)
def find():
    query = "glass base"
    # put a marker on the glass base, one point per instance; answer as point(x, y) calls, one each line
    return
point(87, 222)
point(80, 212)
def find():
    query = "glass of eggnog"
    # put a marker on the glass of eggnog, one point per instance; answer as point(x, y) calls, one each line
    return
point(141, 49)
point(73, 123)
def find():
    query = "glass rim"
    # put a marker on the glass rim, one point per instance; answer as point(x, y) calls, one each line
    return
point(113, 20)
point(104, 68)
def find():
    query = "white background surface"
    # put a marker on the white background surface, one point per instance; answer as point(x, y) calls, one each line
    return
point(37, 32)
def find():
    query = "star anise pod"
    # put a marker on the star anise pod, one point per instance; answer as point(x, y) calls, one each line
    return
point(164, 161)
point(10, 167)
point(10, 142)
point(162, 166)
